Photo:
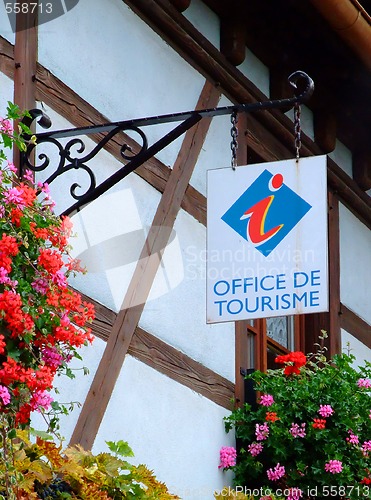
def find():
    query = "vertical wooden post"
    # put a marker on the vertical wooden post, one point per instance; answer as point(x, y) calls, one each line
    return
point(241, 339)
point(25, 62)
point(330, 321)
point(334, 340)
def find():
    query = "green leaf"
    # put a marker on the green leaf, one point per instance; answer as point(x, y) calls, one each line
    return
point(41, 434)
point(120, 448)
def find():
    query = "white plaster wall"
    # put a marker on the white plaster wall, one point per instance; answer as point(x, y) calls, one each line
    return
point(5, 28)
point(109, 56)
point(179, 316)
point(205, 21)
point(355, 347)
point(306, 122)
point(173, 430)
point(74, 390)
point(216, 150)
point(255, 71)
point(355, 269)
point(110, 231)
point(6, 93)
point(342, 156)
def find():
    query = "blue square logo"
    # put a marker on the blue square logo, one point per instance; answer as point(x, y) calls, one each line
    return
point(266, 212)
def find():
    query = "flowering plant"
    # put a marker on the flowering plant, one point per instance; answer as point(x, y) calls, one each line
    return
point(42, 324)
point(42, 320)
point(310, 433)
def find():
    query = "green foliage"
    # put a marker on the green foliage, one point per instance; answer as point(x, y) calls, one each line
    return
point(43, 470)
point(297, 400)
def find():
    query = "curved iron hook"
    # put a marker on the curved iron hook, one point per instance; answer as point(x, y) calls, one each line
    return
point(300, 76)
point(43, 119)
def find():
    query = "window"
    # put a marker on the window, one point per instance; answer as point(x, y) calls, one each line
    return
point(259, 341)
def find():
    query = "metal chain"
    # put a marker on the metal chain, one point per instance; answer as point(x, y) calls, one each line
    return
point(234, 143)
point(297, 129)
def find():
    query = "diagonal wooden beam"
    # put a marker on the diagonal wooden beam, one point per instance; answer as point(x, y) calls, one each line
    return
point(128, 318)
point(165, 359)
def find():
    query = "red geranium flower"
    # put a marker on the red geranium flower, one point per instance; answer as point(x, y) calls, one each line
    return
point(297, 358)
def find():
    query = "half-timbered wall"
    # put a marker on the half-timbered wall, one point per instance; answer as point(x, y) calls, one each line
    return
point(178, 376)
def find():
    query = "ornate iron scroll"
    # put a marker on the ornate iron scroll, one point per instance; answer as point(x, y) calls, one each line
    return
point(71, 155)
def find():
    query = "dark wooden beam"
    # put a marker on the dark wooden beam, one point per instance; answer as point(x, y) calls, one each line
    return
point(355, 325)
point(362, 168)
point(165, 359)
point(25, 62)
point(181, 368)
point(325, 129)
point(232, 38)
point(279, 87)
point(6, 58)
point(334, 339)
point(270, 133)
point(328, 321)
point(265, 144)
point(130, 312)
point(181, 5)
point(241, 339)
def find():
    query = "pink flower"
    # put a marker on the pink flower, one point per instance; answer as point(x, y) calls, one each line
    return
point(255, 449)
point(334, 466)
point(41, 400)
point(353, 438)
point(366, 446)
point(12, 167)
point(276, 473)
point(60, 279)
point(325, 410)
point(364, 382)
point(266, 400)
point(298, 431)
point(4, 394)
point(6, 126)
point(228, 456)
point(52, 357)
point(4, 278)
point(44, 186)
point(40, 285)
point(14, 195)
point(261, 431)
point(28, 175)
point(294, 494)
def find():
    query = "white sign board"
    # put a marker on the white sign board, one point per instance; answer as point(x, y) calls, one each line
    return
point(267, 240)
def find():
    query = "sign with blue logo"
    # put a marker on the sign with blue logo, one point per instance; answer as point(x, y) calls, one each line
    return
point(267, 240)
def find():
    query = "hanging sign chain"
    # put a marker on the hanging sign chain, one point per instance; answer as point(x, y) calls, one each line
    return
point(297, 129)
point(234, 135)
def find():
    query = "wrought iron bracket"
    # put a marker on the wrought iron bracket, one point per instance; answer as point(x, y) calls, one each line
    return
point(300, 81)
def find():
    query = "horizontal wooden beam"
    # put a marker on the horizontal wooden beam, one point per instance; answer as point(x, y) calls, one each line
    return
point(355, 325)
point(265, 143)
point(6, 58)
point(167, 360)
